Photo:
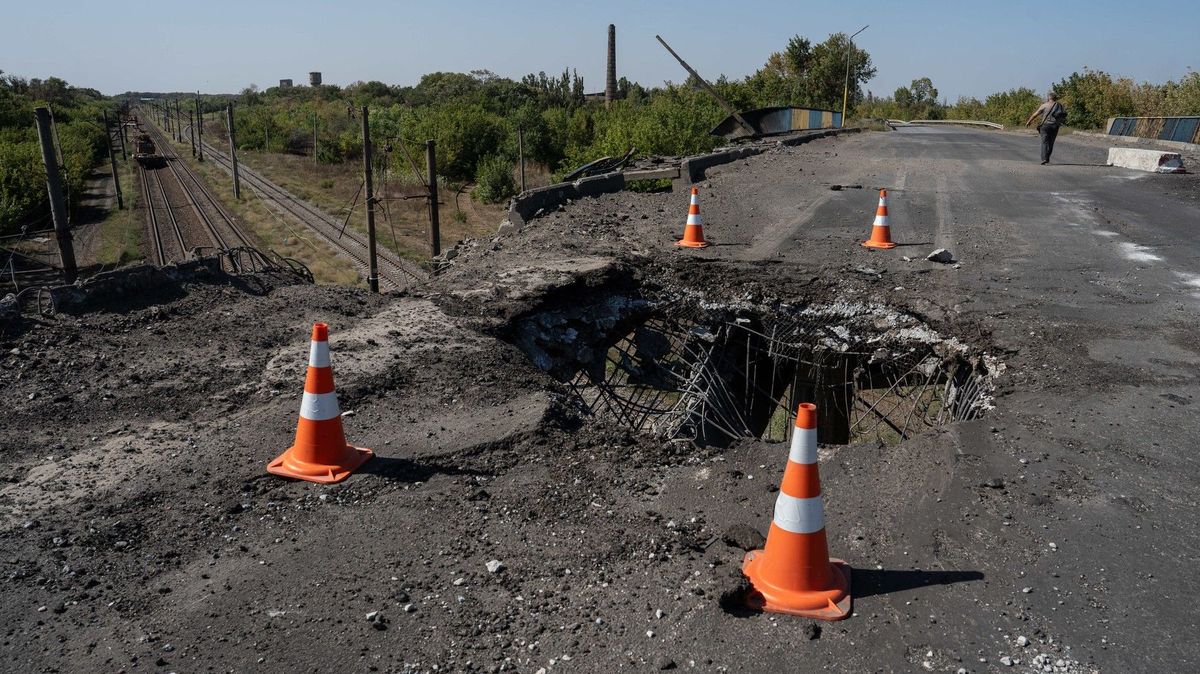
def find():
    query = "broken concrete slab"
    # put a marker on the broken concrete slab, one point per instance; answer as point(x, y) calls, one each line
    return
point(1153, 161)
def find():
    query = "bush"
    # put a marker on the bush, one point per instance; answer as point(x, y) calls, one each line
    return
point(494, 179)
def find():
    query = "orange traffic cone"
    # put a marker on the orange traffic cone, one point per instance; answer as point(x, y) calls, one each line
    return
point(794, 574)
point(693, 231)
point(320, 453)
point(881, 232)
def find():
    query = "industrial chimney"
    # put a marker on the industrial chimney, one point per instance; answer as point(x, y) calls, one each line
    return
point(314, 79)
point(610, 80)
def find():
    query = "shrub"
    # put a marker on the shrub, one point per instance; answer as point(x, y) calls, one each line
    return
point(494, 179)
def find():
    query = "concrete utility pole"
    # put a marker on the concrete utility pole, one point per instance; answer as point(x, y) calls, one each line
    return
point(178, 121)
point(192, 131)
point(708, 87)
point(435, 229)
point(610, 80)
point(314, 138)
point(521, 154)
point(199, 130)
point(112, 160)
point(58, 207)
point(373, 273)
point(846, 91)
point(237, 184)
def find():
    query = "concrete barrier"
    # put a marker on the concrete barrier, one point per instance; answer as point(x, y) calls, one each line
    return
point(1154, 161)
point(530, 203)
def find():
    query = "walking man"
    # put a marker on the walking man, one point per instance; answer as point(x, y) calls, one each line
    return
point(1053, 114)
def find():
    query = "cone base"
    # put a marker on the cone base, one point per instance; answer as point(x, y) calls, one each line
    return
point(692, 244)
point(286, 465)
point(879, 244)
point(832, 604)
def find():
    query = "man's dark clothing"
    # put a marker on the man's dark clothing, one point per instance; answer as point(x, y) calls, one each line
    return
point(1048, 128)
point(1049, 133)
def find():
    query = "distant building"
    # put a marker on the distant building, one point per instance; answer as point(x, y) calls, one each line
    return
point(314, 79)
point(285, 84)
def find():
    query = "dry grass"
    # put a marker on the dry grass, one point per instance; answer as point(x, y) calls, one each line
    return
point(402, 225)
point(122, 232)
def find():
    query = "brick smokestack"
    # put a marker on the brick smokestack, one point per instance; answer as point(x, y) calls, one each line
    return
point(610, 80)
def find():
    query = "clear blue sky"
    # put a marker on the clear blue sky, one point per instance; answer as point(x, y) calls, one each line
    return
point(967, 48)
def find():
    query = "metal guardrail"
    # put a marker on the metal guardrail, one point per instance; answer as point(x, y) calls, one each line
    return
point(967, 122)
point(1174, 129)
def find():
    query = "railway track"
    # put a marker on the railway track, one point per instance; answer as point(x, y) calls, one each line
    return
point(210, 223)
point(394, 272)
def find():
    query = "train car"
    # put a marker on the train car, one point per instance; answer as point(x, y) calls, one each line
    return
point(146, 153)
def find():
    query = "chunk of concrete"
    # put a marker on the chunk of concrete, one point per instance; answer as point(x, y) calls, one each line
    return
point(1153, 161)
point(940, 255)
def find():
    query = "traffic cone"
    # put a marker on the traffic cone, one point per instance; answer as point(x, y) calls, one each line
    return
point(881, 232)
point(794, 573)
point(320, 453)
point(693, 231)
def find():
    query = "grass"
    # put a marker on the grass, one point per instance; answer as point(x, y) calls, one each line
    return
point(271, 231)
point(401, 224)
point(122, 232)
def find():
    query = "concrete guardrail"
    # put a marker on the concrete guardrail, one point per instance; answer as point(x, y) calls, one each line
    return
point(533, 203)
point(965, 122)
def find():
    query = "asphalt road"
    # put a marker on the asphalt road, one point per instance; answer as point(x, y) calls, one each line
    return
point(1089, 278)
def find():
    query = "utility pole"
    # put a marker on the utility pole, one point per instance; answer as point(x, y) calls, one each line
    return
point(237, 185)
point(435, 230)
point(192, 131)
point(121, 136)
point(521, 154)
point(751, 130)
point(112, 160)
point(373, 273)
point(199, 130)
point(314, 138)
point(846, 91)
point(58, 208)
point(178, 121)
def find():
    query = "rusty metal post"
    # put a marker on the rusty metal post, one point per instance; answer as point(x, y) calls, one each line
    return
point(112, 161)
point(237, 184)
point(373, 273)
point(58, 207)
point(435, 229)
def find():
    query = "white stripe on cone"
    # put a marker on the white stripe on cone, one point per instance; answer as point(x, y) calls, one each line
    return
point(804, 446)
point(799, 515)
point(319, 406)
point(318, 354)
point(693, 219)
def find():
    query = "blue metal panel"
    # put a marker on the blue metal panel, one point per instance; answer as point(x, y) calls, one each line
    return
point(837, 120)
point(814, 119)
point(1168, 129)
point(1118, 126)
point(1186, 129)
point(786, 119)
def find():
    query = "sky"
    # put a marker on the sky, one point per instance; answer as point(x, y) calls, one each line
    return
point(967, 48)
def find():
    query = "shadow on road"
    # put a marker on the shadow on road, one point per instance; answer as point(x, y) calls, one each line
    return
point(404, 470)
point(870, 582)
